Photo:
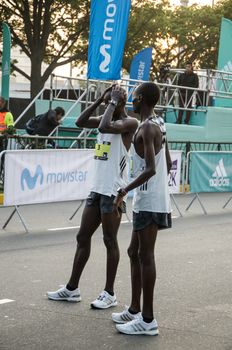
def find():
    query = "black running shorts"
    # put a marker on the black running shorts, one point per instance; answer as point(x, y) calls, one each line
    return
point(143, 219)
point(105, 203)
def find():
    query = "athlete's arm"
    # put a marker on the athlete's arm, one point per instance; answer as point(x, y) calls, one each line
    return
point(168, 158)
point(147, 134)
point(85, 120)
point(107, 126)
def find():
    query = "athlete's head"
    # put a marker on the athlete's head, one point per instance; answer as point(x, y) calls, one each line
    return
point(145, 94)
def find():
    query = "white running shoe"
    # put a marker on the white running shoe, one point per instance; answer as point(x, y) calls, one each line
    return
point(104, 301)
point(124, 316)
point(138, 326)
point(65, 294)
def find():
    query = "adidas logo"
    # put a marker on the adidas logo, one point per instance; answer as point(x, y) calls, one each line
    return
point(219, 177)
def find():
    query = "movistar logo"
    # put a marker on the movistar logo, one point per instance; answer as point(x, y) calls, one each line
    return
point(29, 180)
point(107, 36)
point(219, 176)
point(49, 178)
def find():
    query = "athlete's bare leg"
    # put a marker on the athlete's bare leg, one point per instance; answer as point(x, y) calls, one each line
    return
point(136, 283)
point(147, 239)
point(110, 225)
point(90, 221)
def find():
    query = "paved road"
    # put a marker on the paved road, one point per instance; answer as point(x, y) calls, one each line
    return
point(193, 299)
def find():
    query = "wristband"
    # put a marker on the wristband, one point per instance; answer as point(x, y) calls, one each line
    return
point(113, 102)
point(122, 192)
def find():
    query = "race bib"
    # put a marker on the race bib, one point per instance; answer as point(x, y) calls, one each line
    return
point(102, 150)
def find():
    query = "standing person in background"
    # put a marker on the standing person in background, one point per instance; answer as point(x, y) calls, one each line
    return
point(6, 127)
point(111, 161)
point(151, 211)
point(189, 79)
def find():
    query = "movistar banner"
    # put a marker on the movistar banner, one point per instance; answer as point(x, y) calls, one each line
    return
point(108, 29)
point(210, 172)
point(43, 176)
point(224, 59)
point(6, 61)
point(140, 67)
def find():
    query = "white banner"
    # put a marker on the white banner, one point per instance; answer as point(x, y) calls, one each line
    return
point(174, 175)
point(42, 176)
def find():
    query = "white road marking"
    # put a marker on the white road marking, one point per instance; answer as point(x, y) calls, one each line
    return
point(72, 227)
point(4, 301)
point(62, 228)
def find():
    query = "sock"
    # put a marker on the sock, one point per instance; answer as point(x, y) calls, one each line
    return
point(147, 319)
point(132, 312)
point(109, 292)
point(70, 288)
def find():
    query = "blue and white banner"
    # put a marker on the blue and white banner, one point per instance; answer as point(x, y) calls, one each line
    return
point(210, 172)
point(108, 29)
point(141, 64)
point(140, 68)
point(42, 176)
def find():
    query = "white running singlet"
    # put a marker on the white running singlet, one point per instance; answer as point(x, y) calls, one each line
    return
point(153, 195)
point(111, 164)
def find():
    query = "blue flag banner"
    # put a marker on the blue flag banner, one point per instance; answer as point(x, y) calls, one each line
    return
point(224, 60)
point(141, 64)
point(108, 29)
point(210, 172)
point(140, 67)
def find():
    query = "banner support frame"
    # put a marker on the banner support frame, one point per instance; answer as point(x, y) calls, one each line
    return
point(16, 210)
point(198, 198)
point(228, 201)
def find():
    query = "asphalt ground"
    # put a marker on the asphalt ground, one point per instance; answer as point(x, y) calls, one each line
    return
point(193, 295)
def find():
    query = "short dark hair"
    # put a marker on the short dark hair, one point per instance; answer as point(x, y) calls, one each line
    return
point(150, 93)
point(190, 63)
point(60, 110)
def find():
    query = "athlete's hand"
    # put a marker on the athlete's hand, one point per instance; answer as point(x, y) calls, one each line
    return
point(109, 89)
point(117, 204)
point(118, 94)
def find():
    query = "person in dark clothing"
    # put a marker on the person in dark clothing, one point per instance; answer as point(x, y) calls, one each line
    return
point(49, 121)
point(44, 124)
point(189, 79)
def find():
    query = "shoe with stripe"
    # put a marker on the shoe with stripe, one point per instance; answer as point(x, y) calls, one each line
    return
point(104, 301)
point(65, 294)
point(138, 326)
point(124, 316)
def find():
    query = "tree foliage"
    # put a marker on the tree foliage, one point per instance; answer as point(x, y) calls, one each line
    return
point(48, 31)
point(176, 34)
point(56, 32)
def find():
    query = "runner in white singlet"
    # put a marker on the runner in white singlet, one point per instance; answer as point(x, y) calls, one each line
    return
point(151, 210)
point(111, 162)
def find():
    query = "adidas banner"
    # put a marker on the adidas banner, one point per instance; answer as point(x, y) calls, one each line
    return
point(210, 172)
point(108, 29)
point(42, 176)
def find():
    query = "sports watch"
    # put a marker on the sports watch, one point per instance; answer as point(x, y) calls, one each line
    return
point(113, 102)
